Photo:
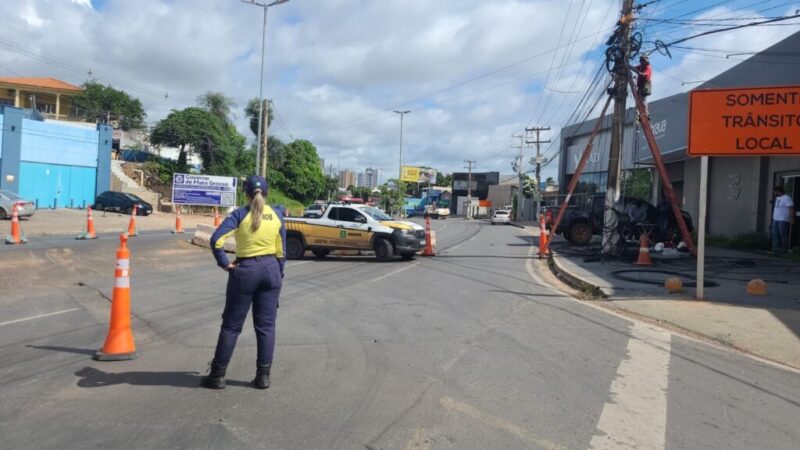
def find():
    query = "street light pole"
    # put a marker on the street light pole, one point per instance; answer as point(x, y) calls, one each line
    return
point(400, 165)
point(261, 145)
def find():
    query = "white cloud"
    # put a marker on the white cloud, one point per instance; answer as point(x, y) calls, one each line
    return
point(336, 69)
point(30, 15)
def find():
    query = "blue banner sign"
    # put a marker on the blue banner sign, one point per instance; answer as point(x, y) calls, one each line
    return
point(205, 190)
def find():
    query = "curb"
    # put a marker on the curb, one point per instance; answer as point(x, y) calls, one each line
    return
point(515, 224)
point(597, 294)
point(573, 280)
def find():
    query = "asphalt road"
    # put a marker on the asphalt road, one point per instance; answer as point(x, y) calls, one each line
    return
point(471, 349)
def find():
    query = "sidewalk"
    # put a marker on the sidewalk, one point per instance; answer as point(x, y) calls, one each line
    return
point(767, 326)
point(73, 221)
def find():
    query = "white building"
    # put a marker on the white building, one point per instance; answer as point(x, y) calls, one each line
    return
point(372, 178)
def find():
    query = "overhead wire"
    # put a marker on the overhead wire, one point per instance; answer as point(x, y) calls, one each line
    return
point(388, 110)
point(64, 64)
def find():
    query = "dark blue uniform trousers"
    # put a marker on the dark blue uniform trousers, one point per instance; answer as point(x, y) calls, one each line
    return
point(258, 281)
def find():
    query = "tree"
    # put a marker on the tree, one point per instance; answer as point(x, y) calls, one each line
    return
point(217, 104)
point(393, 195)
point(637, 183)
point(98, 102)
point(550, 181)
point(443, 179)
point(302, 177)
point(192, 129)
point(251, 111)
point(331, 187)
point(276, 149)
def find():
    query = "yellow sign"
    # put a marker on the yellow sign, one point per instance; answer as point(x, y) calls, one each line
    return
point(409, 174)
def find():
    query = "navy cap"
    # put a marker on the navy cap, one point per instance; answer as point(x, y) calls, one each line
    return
point(254, 182)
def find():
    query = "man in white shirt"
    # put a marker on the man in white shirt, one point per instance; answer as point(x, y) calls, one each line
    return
point(782, 218)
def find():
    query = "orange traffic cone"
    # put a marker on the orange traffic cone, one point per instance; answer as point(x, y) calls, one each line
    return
point(119, 343)
point(132, 225)
point(17, 236)
point(89, 233)
point(428, 239)
point(178, 222)
point(544, 245)
point(217, 218)
point(644, 252)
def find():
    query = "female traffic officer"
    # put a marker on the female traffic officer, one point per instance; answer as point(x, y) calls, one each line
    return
point(254, 277)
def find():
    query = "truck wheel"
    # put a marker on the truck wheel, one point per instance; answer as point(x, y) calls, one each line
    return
point(320, 252)
point(294, 248)
point(383, 250)
point(580, 233)
point(406, 256)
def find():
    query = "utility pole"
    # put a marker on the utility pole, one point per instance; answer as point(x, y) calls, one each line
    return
point(265, 137)
point(261, 140)
point(400, 164)
point(469, 188)
point(517, 165)
point(611, 236)
point(538, 162)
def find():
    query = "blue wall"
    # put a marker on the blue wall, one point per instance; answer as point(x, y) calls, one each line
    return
point(9, 165)
point(54, 164)
point(103, 179)
point(1, 143)
point(57, 186)
point(50, 142)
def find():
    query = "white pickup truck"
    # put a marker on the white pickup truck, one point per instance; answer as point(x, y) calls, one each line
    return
point(353, 227)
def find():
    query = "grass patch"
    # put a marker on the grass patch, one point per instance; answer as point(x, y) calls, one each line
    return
point(276, 197)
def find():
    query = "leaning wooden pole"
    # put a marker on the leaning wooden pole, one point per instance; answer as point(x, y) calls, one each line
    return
point(573, 182)
point(662, 169)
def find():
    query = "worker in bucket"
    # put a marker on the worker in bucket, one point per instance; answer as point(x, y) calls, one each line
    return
point(644, 78)
point(254, 278)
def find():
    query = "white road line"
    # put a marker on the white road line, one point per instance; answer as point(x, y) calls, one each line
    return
point(394, 273)
point(635, 416)
point(40, 316)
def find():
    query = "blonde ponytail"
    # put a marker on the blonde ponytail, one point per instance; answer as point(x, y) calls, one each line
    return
point(256, 210)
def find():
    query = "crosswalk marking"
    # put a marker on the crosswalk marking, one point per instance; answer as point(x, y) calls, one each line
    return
point(635, 416)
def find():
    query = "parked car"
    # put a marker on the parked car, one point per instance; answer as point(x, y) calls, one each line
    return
point(314, 211)
point(25, 208)
point(501, 216)
point(584, 219)
point(122, 202)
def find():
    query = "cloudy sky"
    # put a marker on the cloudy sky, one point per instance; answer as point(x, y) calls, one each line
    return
point(472, 72)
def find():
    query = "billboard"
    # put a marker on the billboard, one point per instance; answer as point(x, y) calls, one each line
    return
point(427, 176)
point(204, 190)
point(409, 174)
point(412, 174)
point(762, 121)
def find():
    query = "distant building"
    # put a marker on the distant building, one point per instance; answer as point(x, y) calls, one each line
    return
point(372, 178)
point(478, 188)
point(360, 180)
point(347, 178)
point(51, 97)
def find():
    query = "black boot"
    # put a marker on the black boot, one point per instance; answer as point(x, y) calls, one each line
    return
point(215, 379)
point(261, 381)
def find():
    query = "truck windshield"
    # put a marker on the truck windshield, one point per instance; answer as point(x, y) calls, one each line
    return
point(375, 213)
